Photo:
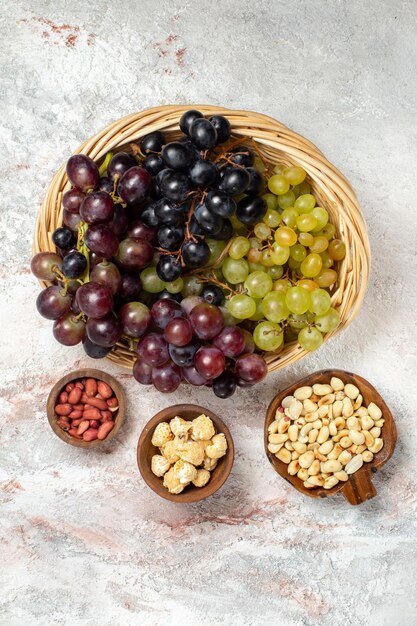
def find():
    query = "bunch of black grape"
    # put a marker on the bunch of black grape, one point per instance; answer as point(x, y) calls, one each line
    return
point(149, 213)
point(195, 193)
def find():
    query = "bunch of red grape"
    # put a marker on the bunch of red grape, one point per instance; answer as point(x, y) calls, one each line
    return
point(190, 341)
point(131, 230)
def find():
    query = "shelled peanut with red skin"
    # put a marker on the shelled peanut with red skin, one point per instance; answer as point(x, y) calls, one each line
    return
point(86, 409)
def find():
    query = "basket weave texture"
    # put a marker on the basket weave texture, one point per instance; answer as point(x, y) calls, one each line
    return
point(278, 144)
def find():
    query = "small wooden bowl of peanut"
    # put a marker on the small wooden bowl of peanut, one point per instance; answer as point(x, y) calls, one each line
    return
point(185, 453)
point(328, 433)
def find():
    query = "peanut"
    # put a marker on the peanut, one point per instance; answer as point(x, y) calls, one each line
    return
point(273, 427)
point(277, 438)
point(63, 409)
point(314, 468)
point(331, 466)
point(323, 434)
point(74, 396)
point(374, 411)
point(75, 415)
point(104, 390)
point(357, 438)
point(284, 425)
point(354, 464)
point(302, 474)
point(90, 434)
point(104, 430)
point(69, 387)
point(91, 387)
point(376, 446)
point(293, 467)
point(322, 390)
point(336, 384)
point(293, 432)
point(63, 397)
point(306, 459)
point(330, 482)
point(284, 455)
point(92, 414)
point(99, 404)
point(367, 456)
point(287, 401)
point(83, 426)
point(351, 391)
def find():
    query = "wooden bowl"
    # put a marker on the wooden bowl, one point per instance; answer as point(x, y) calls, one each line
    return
point(87, 373)
point(146, 451)
point(359, 487)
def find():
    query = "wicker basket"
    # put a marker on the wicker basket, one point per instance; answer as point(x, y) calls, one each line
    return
point(278, 144)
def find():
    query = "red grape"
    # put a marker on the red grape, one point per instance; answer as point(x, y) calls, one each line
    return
point(139, 230)
point(251, 368)
point(134, 185)
point(178, 332)
point(206, 320)
point(105, 331)
point(190, 302)
point(231, 341)
point(82, 172)
point(94, 300)
point(165, 310)
point(134, 254)
point(135, 319)
point(96, 207)
point(142, 372)
point(43, 265)
point(119, 222)
point(101, 239)
point(72, 220)
point(209, 362)
point(69, 330)
point(120, 163)
point(72, 199)
point(153, 349)
point(106, 273)
point(249, 342)
point(52, 302)
point(193, 377)
point(184, 355)
point(130, 288)
point(166, 378)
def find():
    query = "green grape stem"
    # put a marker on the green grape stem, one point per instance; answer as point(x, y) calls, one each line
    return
point(103, 167)
point(82, 247)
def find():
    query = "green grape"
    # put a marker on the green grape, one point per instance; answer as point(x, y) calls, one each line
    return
point(282, 284)
point(272, 218)
point(294, 265)
point(258, 284)
point(297, 322)
point(258, 315)
point(305, 203)
point(275, 272)
point(262, 231)
point(274, 306)
point(289, 217)
point(286, 200)
point(239, 247)
point(298, 252)
point(294, 174)
point(267, 259)
point(326, 260)
point(328, 321)
point(237, 224)
point(298, 300)
point(229, 320)
point(241, 306)
point(255, 243)
point(320, 244)
point(278, 184)
point(311, 266)
point(254, 255)
point(279, 254)
point(285, 236)
point(306, 239)
point(268, 336)
point(279, 168)
point(192, 286)
point(301, 189)
point(175, 286)
point(151, 281)
point(216, 248)
point(271, 201)
point(326, 278)
point(320, 301)
point(306, 222)
point(235, 271)
point(321, 216)
point(256, 267)
point(308, 284)
point(259, 164)
point(329, 231)
point(310, 339)
point(337, 250)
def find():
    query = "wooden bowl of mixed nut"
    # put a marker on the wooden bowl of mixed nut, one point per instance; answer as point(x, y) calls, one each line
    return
point(185, 453)
point(86, 408)
point(328, 433)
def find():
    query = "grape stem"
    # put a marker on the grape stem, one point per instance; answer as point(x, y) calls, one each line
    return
point(82, 247)
point(212, 278)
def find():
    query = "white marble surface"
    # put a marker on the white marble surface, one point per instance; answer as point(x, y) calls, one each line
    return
point(83, 540)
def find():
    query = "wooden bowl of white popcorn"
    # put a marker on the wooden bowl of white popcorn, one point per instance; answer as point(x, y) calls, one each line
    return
point(328, 433)
point(212, 471)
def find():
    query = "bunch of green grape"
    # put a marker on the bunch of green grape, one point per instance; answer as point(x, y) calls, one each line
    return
point(282, 270)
